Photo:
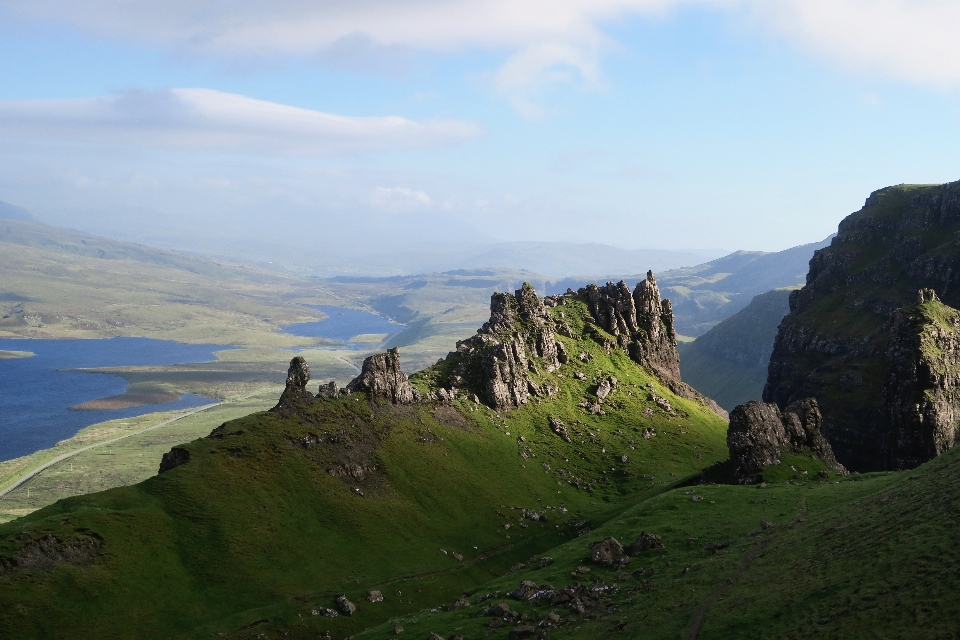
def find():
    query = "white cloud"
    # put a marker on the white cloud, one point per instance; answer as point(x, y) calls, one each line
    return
point(913, 40)
point(399, 199)
point(217, 121)
point(528, 72)
point(545, 41)
point(551, 38)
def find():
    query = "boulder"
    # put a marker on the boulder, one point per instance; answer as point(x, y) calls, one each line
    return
point(606, 387)
point(607, 552)
point(346, 607)
point(556, 424)
point(524, 591)
point(759, 433)
point(646, 542)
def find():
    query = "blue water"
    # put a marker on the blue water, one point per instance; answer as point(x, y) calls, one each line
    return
point(35, 392)
point(344, 324)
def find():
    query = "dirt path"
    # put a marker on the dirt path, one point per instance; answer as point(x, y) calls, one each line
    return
point(700, 615)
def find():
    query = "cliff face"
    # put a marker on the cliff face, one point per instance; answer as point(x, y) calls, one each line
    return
point(835, 345)
point(922, 389)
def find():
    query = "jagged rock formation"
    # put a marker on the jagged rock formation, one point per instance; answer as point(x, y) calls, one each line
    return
point(295, 393)
point(922, 388)
point(759, 434)
point(382, 378)
point(642, 324)
point(835, 345)
point(497, 362)
point(502, 363)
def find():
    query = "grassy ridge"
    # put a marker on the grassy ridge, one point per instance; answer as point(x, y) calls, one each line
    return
point(108, 464)
point(256, 527)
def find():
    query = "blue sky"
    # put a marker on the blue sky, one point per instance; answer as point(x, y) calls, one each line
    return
point(708, 126)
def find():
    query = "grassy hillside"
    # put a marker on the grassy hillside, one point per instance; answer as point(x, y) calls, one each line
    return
point(729, 362)
point(265, 521)
point(272, 518)
point(868, 556)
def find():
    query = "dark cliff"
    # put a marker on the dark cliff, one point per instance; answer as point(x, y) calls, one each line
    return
point(835, 345)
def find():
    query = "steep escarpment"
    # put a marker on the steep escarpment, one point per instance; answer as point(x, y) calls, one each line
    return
point(922, 389)
point(835, 345)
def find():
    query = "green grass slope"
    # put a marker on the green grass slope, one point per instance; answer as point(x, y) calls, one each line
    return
point(870, 556)
point(729, 362)
point(272, 518)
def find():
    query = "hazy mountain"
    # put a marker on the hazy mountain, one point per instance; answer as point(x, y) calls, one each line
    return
point(729, 362)
point(707, 293)
point(13, 212)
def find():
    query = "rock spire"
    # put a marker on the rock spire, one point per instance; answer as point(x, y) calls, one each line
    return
point(295, 393)
point(382, 377)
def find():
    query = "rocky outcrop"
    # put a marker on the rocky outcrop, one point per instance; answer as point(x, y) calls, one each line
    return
point(498, 362)
point(640, 321)
point(608, 552)
point(173, 459)
point(382, 378)
point(642, 325)
point(504, 362)
point(759, 434)
point(295, 393)
point(837, 342)
point(922, 388)
point(49, 551)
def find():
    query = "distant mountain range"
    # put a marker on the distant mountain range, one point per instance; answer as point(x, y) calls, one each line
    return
point(705, 294)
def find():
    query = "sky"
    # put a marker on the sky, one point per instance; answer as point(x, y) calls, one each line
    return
point(326, 126)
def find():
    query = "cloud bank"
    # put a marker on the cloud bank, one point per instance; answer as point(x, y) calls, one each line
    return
point(217, 121)
point(912, 40)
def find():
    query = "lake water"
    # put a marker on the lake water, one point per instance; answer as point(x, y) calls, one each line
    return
point(343, 324)
point(35, 392)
